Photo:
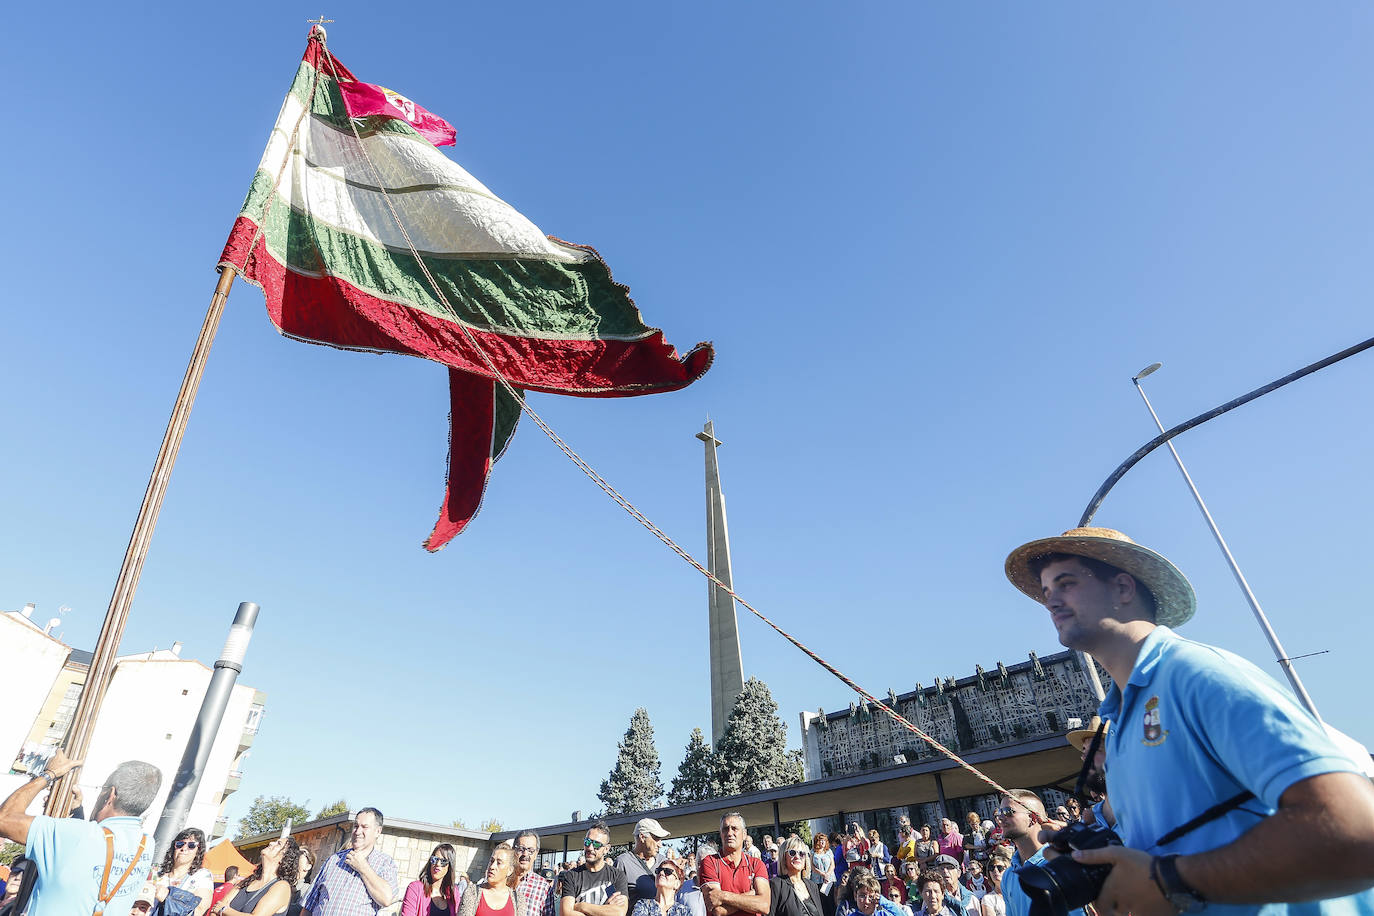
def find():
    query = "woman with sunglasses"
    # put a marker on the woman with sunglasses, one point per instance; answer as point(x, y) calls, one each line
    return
point(668, 876)
point(182, 868)
point(793, 891)
point(432, 894)
point(993, 904)
point(267, 891)
point(494, 896)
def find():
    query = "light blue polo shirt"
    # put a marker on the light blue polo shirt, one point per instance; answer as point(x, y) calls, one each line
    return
point(1018, 904)
point(70, 857)
point(1196, 725)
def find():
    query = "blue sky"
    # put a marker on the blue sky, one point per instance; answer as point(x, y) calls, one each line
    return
point(931, 244)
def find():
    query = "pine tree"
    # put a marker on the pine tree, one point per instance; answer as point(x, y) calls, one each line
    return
point(696, 775)
point(634, 784)
point(753, 754)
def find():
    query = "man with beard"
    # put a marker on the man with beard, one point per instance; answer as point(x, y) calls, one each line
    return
point(1229, 795)
point(596, 887)
point(1021, 816)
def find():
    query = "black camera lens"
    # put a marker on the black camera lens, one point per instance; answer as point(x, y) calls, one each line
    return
point(1058, 885)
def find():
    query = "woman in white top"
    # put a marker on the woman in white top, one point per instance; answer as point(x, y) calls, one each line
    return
point(182, 867)
point(992, 903)
point(877, 853)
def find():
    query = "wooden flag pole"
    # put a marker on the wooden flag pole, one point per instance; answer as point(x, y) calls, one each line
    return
point(112, 631)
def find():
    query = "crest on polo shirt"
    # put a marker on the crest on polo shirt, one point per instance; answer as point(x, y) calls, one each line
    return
point(1155, 732)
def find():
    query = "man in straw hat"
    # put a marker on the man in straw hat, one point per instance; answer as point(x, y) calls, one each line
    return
point(1095, 786)
point(1193, 730)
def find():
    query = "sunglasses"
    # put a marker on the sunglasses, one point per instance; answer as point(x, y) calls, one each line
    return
point(592, 844)
point(796, 853)
point(437, 860)
point(666, 872)
point(186, 844)
point(1004, 812)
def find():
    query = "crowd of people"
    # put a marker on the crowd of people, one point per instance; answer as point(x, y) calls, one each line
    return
point(924, 873)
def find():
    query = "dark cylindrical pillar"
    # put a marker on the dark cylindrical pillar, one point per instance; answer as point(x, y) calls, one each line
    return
point(202, 738)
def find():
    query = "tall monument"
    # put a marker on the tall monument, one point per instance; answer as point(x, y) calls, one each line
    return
point(727, 671)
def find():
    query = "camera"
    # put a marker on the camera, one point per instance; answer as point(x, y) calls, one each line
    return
point(1058, 885)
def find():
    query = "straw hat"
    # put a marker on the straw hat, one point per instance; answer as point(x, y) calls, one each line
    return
point(1174, 599)
point(1080, 737)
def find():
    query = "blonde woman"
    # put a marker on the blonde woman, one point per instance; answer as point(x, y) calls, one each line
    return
point(793, 891)
point(493, 895)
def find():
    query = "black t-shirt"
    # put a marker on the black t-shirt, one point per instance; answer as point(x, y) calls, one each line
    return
point(595, 887)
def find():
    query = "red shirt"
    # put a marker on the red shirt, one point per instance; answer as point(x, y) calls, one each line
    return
point(222, 891)
point(733, 879)
point(484, 910)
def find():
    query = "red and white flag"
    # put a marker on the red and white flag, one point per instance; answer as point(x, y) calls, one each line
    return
point(364, 100)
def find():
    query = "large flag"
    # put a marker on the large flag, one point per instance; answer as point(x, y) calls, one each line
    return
point(363, 235)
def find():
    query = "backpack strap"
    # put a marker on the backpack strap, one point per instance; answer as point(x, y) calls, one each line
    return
point(107, 893)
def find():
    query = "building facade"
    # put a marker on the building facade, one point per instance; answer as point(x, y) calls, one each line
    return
point(148, 713)
point(1035, 698)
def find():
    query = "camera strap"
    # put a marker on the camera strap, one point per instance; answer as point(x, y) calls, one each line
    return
point(1206, 817)
point(1088, 758)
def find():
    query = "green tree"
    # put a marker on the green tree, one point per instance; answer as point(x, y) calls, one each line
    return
point(753, 754)
point(696, 778)
point(10, 851)
point(266, 815)
point(634, 784)
point(339, 807)
point(490, 825)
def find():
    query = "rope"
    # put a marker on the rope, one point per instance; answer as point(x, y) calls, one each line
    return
point(624, 503)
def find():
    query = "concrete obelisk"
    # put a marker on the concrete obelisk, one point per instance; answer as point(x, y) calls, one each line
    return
point(727, 671)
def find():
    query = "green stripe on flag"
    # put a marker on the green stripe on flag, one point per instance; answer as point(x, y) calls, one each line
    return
point(502, 293)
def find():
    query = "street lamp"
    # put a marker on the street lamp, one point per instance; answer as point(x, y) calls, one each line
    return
point(1279, 654)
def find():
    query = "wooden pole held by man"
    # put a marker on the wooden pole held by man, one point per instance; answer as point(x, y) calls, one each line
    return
point(112, 630)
